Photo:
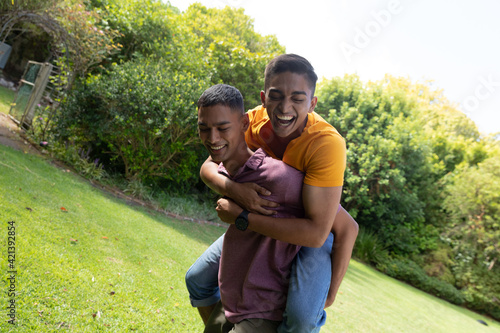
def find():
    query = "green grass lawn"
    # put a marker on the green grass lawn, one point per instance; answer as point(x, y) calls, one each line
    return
point(100, 264)
point(370, 301)
point(6, 98)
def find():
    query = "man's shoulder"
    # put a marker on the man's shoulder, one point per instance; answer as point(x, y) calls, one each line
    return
point(267, 161)
point(319, 132)
point(319, 124)
point(257, 114)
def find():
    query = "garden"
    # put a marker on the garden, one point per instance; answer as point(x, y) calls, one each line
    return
point(97, 247)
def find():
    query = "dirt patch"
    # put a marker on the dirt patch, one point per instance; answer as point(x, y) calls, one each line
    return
point(12, 136)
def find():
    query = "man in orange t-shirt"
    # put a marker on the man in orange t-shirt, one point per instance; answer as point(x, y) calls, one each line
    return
point(287, 128)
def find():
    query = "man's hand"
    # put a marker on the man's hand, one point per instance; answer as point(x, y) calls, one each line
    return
point(247, 196)
point(345, 229)
point(228, 210)
point(329, 301)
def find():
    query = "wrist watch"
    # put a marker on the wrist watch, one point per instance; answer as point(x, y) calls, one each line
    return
point(242, 220)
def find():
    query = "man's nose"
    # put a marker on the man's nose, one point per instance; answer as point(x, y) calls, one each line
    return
point(214, 135)
point(285, 104)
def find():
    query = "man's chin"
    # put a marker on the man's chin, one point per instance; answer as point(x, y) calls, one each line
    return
point(282, 131)
point(216, 158)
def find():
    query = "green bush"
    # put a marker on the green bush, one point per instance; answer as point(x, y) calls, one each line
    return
point(79, 159)
point(389, 181)
point(480, 282)
point(409, 272)
point(438, 263)
point(368, 247)
point(142, 118)
point(483, 301)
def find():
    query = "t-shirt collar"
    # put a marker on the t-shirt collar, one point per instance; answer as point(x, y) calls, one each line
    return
point(253, 163)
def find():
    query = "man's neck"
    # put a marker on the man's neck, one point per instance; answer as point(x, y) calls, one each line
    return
point(278, 144)
point(234, 164)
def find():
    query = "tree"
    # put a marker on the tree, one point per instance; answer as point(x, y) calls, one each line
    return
point(141, 118)
point(79, 40)
point(231, 51)
point(389, 177)
point(472, 200)
point(218, 44)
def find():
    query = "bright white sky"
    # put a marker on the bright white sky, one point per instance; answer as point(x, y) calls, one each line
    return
point(455, 43)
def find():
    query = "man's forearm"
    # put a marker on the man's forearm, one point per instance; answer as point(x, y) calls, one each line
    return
point(298, 231)
point(212, 178)
point(344, 240)
point(320, 206)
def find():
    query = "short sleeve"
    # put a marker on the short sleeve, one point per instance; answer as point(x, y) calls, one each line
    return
point(325, 161)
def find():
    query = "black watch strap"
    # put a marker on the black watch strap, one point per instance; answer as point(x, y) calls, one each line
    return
point(242, 220)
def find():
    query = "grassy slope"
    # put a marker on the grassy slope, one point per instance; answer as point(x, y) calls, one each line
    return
point(370, 301)
point(63, 283)
point(7, 97)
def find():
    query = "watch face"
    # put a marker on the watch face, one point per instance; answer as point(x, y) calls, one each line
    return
point(241, 223)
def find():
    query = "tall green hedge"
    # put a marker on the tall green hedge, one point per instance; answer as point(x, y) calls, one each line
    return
point(141, 118)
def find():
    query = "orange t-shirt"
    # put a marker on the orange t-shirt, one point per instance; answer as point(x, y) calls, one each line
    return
point(319, 151)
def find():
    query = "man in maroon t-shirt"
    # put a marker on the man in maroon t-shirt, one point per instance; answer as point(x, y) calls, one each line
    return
point(254, 269)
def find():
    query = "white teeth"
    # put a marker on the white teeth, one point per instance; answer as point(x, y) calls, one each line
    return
point(285, 118)
point(217, 147)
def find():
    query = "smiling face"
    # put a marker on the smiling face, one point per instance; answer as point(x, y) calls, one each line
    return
point(288, 99)
point(222, 132)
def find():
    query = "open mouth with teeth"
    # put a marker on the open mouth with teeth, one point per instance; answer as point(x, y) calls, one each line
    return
point(284, 120)
point(216, 149)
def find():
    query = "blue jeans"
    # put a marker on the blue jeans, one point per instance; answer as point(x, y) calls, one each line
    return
point(309, 284)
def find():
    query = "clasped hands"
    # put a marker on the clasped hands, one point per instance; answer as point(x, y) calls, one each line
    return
point(244, 195)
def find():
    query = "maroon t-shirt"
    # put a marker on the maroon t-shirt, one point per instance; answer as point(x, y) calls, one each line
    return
point(254, 269)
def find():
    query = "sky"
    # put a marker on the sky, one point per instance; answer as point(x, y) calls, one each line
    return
point(454, 43)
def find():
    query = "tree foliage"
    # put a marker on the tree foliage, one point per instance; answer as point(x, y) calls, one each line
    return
point(218, 44)
point(231, 50)
point(140, 110)
point(143, 117)
point(390, 177)
point(472, 199)
point(424, 180)
point(80, 40)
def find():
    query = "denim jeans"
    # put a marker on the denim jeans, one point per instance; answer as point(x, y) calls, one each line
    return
point(309, 284)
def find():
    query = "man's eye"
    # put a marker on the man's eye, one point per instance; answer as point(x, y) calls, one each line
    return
point(298, 100)
point(223, 129)
point(202, 129)
point(275, 98)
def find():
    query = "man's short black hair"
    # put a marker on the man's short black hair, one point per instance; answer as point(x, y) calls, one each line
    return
point(290, 63)
point(222, 94)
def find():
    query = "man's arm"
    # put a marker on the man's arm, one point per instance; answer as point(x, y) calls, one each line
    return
point(245, 194)
point(320, 204)
point(345, 230)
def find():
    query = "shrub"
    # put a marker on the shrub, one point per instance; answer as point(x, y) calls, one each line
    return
point(480, 282)
point(368, 248)
point(437, 263)
point(409, 272)
point(484, 301)
point(143, 117)
point(80, 160)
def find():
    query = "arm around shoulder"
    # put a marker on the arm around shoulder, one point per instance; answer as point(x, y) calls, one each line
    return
point(244, 194)
point(212, 178)
point(320, 204)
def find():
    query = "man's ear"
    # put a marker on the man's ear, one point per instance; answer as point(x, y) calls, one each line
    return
point(245, 121)
point(263, 98)
point(314, 101)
